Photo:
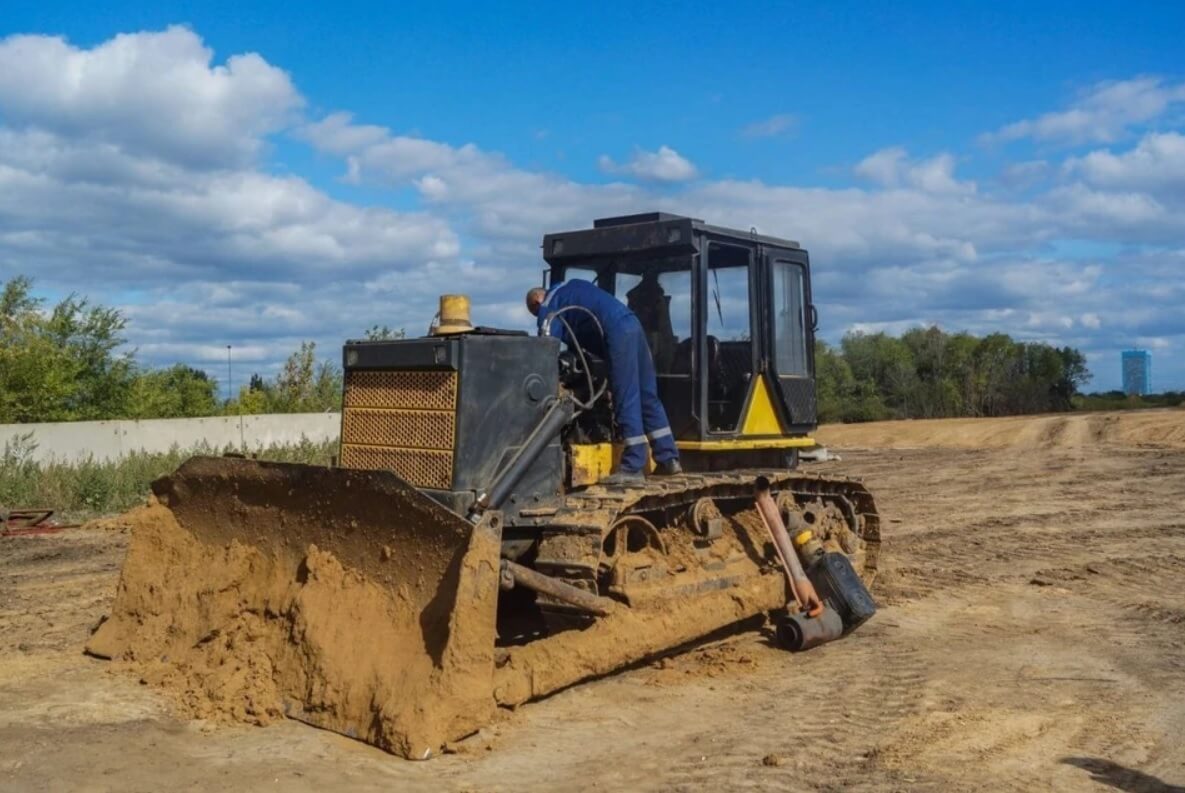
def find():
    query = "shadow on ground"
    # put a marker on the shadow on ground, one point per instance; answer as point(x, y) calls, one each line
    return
point(1121, 777)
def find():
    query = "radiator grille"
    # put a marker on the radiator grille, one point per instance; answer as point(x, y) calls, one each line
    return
point(419, 467)
point(404, 422)
point(415, 429)
point(418, 390)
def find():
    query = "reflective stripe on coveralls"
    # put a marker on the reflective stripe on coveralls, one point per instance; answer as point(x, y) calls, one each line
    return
point(636, 406)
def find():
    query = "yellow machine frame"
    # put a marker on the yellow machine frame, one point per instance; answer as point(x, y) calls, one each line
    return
point(760, 429)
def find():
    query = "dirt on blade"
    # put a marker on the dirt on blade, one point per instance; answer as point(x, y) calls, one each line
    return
point(254, 591)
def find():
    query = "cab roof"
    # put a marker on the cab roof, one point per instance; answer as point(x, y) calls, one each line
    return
point(651, 232)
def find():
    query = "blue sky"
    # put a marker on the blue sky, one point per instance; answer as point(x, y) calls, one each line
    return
point(259, 173)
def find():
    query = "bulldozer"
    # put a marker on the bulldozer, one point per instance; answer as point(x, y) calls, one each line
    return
point(481, 560)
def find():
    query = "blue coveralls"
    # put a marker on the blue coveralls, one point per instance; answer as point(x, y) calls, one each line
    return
point(639, 412)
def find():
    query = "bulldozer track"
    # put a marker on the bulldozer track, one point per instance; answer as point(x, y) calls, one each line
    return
point(600, 505)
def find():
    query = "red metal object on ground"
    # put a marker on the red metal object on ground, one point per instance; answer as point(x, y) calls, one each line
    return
point(22, 522)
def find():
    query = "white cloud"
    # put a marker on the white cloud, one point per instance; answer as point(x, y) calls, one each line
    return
point(153, 93)
point(883, 167)
point(140, 218)
point(1088, 213)
point(892, 167)
point(772, 127)
point(504, 206)
point(664, 165)
point(1102, 114)
point(1024, 175)
point(132, 172)
point(1156, 164)
point(374, 150)
point(338, 134)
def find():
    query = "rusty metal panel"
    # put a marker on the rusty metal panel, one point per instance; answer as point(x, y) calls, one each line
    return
point(401, 421)
point(414, 390)
point(419, 467)
point(416, 429)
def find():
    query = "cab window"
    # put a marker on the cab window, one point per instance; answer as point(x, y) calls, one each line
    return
point(789, 318)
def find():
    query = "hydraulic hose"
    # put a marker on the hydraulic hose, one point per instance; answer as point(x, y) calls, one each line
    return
point(595, 394)
point(800, 586)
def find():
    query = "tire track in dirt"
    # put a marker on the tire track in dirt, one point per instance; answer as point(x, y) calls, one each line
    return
point(975, 719)
point(1146, 600)
point(954, 563)
point(830, 720)
point(1008, 528)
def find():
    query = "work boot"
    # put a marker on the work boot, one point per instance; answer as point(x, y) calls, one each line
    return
point(668, 467)
point(624, 478)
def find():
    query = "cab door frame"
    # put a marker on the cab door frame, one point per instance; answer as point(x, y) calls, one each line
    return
point(793, 392)
point(701, 319)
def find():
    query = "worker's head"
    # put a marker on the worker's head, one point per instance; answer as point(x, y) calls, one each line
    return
point(535, 298)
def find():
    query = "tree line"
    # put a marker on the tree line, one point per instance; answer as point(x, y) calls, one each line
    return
point(929, 373)
point(63, 363)
point(1118, 400)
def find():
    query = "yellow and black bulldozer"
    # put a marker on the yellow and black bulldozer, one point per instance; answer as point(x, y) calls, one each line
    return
point(470, 494)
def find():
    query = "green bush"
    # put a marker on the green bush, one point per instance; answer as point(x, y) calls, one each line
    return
point(66, 362)
point(88, 488)
point(929, 373)
point(1117, 400)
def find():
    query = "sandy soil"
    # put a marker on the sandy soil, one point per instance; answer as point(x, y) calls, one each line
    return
point(1031, 637)
point(1147, 429)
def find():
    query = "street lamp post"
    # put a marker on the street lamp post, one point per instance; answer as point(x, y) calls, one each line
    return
point(228, 390)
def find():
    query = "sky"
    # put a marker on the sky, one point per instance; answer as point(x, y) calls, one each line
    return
point(258, 174)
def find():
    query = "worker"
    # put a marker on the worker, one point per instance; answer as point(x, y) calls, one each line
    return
point(652, 306)
point(603, 326)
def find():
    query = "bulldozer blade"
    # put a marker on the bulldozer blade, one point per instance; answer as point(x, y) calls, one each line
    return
point(361, 605)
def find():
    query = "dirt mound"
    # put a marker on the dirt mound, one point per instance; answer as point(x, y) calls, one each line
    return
point(365, 643)
point(1162, 428)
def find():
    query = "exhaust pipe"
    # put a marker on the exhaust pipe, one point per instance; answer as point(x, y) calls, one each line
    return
point(797, 632)
point(815, 622)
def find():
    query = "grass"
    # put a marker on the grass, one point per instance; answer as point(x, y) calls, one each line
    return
point(90, 488)
point(1114, 400)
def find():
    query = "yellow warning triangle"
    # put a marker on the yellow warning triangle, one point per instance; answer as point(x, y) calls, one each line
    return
point(761, 419)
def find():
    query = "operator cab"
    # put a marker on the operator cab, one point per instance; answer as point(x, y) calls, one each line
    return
point(729, 319)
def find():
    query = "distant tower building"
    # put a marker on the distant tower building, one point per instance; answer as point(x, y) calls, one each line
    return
point(1137, 372)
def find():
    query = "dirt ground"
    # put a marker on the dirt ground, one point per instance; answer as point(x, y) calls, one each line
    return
point(1031, 637)
point(1147, 429)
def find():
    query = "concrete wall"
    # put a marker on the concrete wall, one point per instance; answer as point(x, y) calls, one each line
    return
point(109, 440)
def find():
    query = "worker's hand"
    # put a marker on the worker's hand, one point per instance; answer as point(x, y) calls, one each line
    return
point(811, 603)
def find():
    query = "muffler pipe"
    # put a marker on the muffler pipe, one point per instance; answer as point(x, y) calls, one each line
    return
point(800, 586)
point(799, 632)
